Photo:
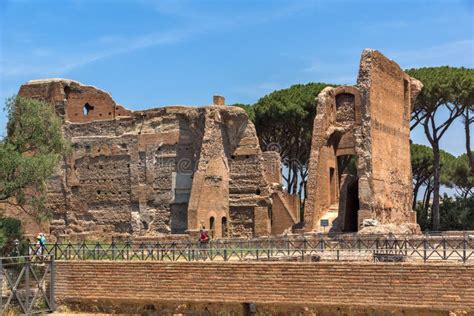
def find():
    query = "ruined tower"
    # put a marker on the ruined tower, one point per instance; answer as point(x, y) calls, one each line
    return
point(360, 165)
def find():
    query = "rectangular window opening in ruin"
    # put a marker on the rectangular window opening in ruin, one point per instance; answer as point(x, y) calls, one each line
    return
point(181, 188)
point(332, 185)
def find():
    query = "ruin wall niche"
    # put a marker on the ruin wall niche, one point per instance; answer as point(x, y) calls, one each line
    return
point(383, 142)
point(272, 167)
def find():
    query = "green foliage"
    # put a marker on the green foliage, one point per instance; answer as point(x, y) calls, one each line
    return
point(284, 122)
point(30, 152)
point(445, 89)
point(423, 217)
point(444, 85)
point(422, 164)
point(457, 213)
point(461, 176)
point(10, 229)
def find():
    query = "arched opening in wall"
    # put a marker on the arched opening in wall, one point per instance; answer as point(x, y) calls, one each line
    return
point(224, 226)
point(86, 109)
point(349, 192)
point(211, 226)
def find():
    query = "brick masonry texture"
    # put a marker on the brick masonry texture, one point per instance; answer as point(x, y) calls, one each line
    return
point(436, 287)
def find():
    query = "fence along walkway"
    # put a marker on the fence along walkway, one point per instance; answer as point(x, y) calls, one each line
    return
point(363, 248)
point(27, 284)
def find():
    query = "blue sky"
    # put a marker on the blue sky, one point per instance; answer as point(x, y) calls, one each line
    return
point(155, 53)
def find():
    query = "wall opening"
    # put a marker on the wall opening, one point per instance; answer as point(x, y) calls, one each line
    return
point(86, 109)
point(211, 225)
point(349, 192)
point(224, 226)
point(332, 185)
point(351, 206)
point(347, 164)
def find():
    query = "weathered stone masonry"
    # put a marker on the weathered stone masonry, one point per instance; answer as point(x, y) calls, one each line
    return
point(154, 172)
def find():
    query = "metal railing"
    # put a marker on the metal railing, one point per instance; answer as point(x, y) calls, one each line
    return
point(367, 248)
point(27, 284)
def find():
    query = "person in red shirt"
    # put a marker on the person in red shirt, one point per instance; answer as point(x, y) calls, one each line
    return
point(203, 242)
point(204, 236)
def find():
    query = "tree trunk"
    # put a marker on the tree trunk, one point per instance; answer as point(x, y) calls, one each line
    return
point(436, 186)
point(467, 129)
point(416, 188)
point(427, 196)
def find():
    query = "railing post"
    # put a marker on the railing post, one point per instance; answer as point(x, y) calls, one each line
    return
point(225, 254)
point(56, 249)
point(112, 246)
point(127, 247)
point(464, 248)
point(96, 250)
point(444, 249)
point(68, 251)
point(173, 249)
point(1, 286)
point(287, 242)
point(305, 245)
point(188, 246)
point(27, 287)
point(425, 247)
point(52, 271)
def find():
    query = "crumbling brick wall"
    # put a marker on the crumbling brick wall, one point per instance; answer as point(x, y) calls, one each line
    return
point(152, 172)
point(370, 122)
point(445, 287)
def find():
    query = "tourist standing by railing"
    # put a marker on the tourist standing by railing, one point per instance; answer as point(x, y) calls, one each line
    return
point(204, 243)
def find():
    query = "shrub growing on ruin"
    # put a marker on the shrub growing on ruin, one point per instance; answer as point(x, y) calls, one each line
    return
point(30, 153)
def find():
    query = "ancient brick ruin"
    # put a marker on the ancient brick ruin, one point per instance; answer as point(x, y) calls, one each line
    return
point(172, 170)
point(370, 125)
